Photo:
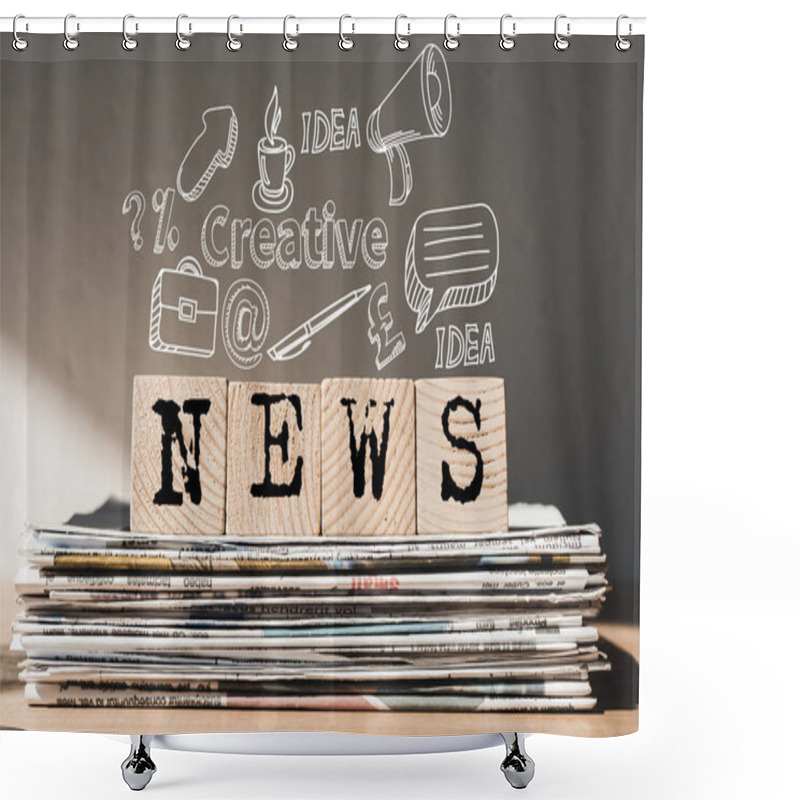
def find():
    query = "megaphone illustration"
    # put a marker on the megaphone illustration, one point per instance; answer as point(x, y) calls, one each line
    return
point(418, 106)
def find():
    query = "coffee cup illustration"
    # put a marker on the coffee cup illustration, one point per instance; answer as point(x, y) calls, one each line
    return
point(418, 106)
point(273, 192)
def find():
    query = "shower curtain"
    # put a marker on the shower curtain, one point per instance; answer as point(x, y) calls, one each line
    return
point(377, 247)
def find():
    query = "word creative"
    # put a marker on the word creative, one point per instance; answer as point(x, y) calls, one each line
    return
point(319, 241)
point(352, 456)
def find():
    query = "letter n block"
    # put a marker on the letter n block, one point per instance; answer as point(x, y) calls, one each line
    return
point(178, 454)
point(461, 456)
point(368, 464)
point(273, 459)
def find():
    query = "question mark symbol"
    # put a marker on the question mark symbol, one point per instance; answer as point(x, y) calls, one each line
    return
point(135, 198)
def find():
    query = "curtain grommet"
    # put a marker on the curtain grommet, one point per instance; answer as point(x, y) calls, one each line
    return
point(290, 43)
point(507, 41)
point(234, 43)
point(623, 43)
point(345, 42)
point(560, 42)
point(182, 42)
point(18, 43)
point(451, 42)
point(129, 42)
point(401, 42)
point(71, 42)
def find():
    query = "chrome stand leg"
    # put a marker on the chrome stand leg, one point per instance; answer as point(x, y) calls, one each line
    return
point(138, 768)
point(517, 766)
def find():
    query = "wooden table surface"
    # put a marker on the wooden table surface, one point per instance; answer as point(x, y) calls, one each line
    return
point(16, 714)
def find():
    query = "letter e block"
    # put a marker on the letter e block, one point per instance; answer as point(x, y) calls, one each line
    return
point(462, 483)
point(368, 465)
point(178, 454)
point(273, 459)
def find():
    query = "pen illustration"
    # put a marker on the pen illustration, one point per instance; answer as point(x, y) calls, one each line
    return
point(299, 340)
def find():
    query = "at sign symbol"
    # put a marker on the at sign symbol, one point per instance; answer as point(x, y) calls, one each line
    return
point(245, 323)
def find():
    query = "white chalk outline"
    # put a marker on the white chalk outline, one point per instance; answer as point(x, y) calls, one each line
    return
point(393, 145)
point(137, 197)
point(397, 344)
point(233, 350)
point(186, 310)
point(163, 207)
point(299, 340)
point(220, 160)
point(419, 295)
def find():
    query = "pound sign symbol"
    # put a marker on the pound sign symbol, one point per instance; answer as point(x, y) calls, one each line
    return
point(380, 323)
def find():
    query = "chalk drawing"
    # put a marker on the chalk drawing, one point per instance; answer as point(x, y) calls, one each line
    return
point(213, 149)
point(245, 323)
point(183, 311)
point(167, 234)
point(299, 340)
point(418, 106)
point(135, 198)
point(380, 323)
point(273, 192)
point(451, 260)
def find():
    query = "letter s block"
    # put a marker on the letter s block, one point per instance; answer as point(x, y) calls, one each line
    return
point(178, 454)
point(273, 459)
point(368, 464)
point(462, 483)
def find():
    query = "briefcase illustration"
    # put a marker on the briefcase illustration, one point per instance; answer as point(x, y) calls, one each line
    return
point(183, 311)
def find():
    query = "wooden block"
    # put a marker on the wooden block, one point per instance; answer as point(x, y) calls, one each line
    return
point(273, 459)
point(462, 484)
point(368, 460)
point(178, 454)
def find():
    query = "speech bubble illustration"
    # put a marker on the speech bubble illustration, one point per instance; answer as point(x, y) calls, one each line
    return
point(451, 260)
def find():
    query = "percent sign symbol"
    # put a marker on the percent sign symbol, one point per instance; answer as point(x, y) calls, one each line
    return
point(167, 234)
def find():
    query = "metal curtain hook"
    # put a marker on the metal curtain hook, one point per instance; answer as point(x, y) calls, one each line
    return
point(507, 42)
point(70, 41)
point(401, 42)
point(623, 43)
point(19, 43)
point(289, 42)
point(181, 41)
point(561, 42)
point(345, 42)
point(234, 43)
point(129, 42)
point(451, 42)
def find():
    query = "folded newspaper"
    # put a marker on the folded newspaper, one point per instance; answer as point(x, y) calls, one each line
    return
point(477, 622)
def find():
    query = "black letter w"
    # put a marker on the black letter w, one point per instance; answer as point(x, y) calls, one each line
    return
point(358, 452)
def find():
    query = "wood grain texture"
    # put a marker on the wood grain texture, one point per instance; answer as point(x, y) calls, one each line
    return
point(368, 401)
point(460, 512)
point(297, 514)
point(207, 514)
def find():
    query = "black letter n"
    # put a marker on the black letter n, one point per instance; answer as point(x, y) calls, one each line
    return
point(172, 431)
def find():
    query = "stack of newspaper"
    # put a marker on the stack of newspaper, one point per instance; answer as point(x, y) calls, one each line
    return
point(479, 622)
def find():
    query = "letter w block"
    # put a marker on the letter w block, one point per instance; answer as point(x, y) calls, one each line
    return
point(368, 459)
point(273, 459)
point(461, 456)
point(178, 454)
